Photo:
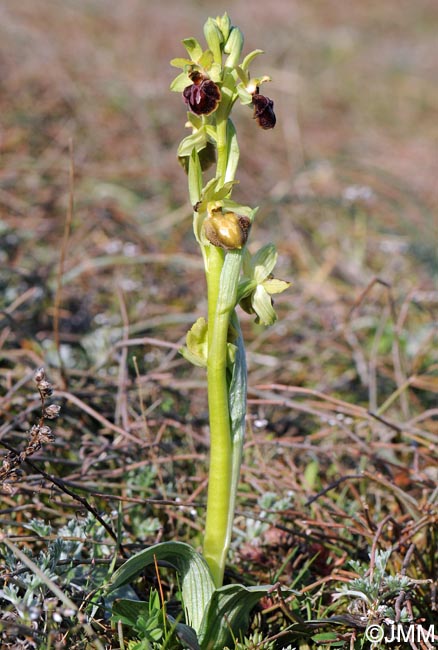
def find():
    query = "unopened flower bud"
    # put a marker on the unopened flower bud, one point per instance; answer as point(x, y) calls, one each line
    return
point(228, 231)
point(203, 96)
point(264, 111)
point(233, 47)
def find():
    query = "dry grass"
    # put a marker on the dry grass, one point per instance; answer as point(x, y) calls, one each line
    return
point(343, 389)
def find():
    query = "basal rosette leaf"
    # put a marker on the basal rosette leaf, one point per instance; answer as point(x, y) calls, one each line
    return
point(197, 584)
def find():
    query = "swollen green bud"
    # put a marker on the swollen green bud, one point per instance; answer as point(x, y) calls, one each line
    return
point(233, 48)
point(214, 39)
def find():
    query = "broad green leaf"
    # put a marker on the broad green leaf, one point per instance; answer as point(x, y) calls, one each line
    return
point(185, 633)
point(127, 611)
point(227, 615)
point(196, 580)
point(193, 48)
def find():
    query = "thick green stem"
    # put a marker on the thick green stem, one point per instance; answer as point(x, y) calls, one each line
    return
point(222, 291)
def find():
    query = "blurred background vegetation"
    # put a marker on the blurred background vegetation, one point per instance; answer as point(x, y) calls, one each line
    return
point(344, 384)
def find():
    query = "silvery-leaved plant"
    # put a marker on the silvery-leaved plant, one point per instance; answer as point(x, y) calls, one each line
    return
point(211, 81)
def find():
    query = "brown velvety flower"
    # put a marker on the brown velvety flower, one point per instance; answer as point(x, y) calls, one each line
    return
point(264, 111)
point(203, 96)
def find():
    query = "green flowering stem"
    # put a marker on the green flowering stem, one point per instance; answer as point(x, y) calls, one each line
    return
point(222, 277)
point(210, 87)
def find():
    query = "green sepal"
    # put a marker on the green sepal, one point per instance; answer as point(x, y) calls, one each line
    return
point(194, 50)
point(214, 39)
point(261, 303)
point(249, 58)
point(180, 82)
point(196, 349)
point(181, 63)
point(206, 60)
point(261, 264)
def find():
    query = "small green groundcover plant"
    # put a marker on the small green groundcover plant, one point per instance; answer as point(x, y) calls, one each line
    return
point(211, 82)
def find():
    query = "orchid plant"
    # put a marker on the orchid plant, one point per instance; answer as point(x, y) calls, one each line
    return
point(210, 87)
point(211, 81)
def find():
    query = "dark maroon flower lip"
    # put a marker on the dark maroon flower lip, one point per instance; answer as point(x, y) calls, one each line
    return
point(264, 111)
point(202, 96)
